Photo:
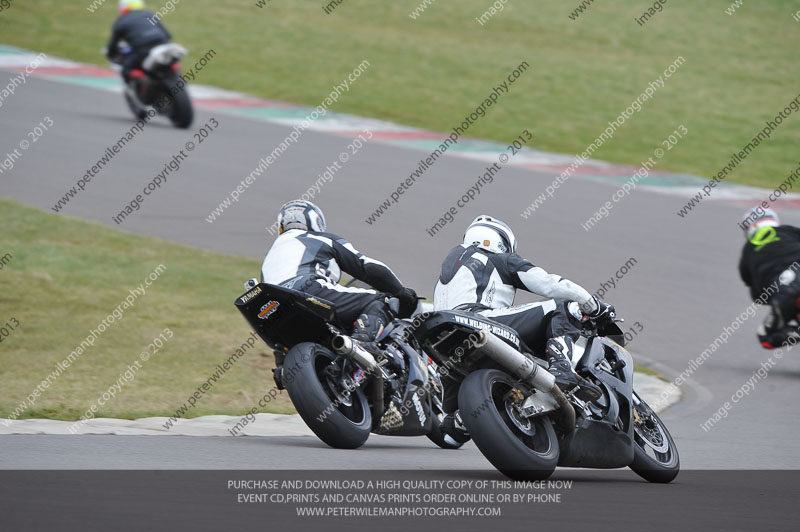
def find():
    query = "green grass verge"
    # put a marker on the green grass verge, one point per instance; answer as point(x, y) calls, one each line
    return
point(65, 276)
point(648, 371)
point(740, 70)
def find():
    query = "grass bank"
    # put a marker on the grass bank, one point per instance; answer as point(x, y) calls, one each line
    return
point(432, 70)
point(66, 276)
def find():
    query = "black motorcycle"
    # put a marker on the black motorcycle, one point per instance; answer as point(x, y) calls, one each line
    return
point(340, 389)
point(158, 85)
point(524, 424)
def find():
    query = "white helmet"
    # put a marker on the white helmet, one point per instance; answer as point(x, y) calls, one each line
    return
point(756, 218)
point(490, 234)
point(300, 214)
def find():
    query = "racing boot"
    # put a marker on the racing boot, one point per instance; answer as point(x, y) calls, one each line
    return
point(559, 355)
point(368, 327)
point(770, 339)
point(453, 429)
point(370, 323)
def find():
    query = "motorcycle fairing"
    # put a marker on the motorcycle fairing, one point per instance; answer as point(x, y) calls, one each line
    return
point(602, 443)
point(163, 54)
point(414, 409)
point(445, 330)
point(297, 318)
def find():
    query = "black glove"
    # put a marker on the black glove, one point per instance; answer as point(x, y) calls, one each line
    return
point(408, 302)
point(604, 311)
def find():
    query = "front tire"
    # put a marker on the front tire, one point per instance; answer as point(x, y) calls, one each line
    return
point(138, 111)
point(522, 449)
point(342, 420)
point(655, 455)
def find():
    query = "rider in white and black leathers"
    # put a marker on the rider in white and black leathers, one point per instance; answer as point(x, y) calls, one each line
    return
point(483, 274)
point(306, 258)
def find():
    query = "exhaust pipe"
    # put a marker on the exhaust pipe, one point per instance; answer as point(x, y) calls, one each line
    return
point(511, 359)
point(345, 346)
point(528, 371)
point(567, 417)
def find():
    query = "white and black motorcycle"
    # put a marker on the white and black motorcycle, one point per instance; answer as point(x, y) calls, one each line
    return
point(342, 391)
point(521, 420)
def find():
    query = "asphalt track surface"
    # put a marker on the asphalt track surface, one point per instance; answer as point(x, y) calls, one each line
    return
point(683, 289)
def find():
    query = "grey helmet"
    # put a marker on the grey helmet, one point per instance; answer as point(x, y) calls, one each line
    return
point(300, 214)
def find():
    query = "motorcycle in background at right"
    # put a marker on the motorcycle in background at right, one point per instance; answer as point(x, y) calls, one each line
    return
point(158, 85)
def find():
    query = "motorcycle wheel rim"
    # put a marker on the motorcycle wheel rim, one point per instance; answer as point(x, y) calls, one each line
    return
point(353, 410)
point(652, 438)
point(530, 430)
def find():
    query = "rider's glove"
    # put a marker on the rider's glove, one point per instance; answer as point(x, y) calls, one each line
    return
point(408, 302)
point(603, 311)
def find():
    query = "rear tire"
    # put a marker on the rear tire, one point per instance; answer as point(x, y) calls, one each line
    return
point(517, 451)
point(655, 456)
point(181, 115)
point(335, 422)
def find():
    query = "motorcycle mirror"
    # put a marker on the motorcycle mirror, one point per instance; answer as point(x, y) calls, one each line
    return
point(251, 283)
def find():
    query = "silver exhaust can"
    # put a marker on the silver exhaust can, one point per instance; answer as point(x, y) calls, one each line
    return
point(515, 362)
point(347, 347)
